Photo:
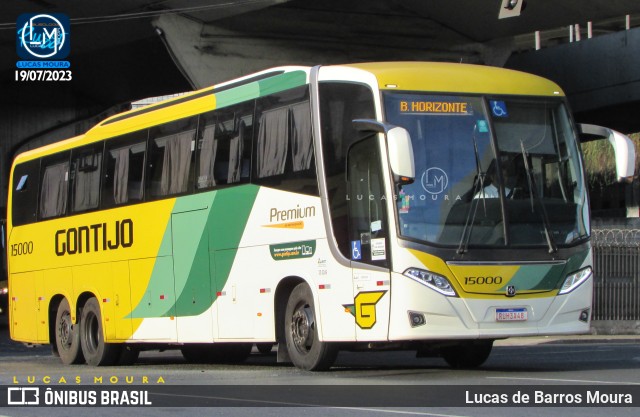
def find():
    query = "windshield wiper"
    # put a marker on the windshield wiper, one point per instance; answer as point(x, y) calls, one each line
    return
point(478, 185)
point(533, 194)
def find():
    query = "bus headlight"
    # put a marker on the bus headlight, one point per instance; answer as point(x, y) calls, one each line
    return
point(574, 280)
point(434, 281)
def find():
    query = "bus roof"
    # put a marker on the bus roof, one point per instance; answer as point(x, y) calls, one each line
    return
point(459, 78)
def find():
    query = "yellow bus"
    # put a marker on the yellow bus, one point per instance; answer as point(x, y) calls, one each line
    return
point(426, 206)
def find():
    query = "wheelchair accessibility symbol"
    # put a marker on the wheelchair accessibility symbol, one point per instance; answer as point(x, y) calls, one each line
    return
point(498, 108)
point(356, 250)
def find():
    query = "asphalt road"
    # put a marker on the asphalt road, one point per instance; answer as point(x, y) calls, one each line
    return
point(376, 383)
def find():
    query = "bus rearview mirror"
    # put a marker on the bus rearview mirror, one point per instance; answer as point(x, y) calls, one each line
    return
point(623, 148)
point(399, 147)
point(401, 155)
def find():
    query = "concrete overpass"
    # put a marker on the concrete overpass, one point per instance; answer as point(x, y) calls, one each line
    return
point(124, 50)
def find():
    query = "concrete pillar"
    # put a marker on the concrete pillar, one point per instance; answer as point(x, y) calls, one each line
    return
point(207, 54)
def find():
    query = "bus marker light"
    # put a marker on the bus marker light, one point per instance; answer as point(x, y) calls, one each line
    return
point(221, 293)
point(382, 283)
point(259, 314)
point(162, 297)
point(265, 290)
point(324, 286)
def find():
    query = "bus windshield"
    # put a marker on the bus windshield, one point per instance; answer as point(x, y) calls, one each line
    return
point(490, 171)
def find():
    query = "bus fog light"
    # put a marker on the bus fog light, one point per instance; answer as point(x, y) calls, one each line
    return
point(574, 280)
point(584, 316)
point(434, 281)
point(417, 319)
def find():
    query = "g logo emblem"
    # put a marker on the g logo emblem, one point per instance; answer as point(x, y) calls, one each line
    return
point(364, 308)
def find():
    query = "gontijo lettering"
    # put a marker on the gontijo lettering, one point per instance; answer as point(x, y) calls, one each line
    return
point(434, 107)
point(96, 237)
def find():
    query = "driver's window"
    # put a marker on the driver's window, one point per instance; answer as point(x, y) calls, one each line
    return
point(368, 231)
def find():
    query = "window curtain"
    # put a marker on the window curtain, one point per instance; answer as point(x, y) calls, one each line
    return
point(176, 163)
point(272, 142)
point(121, 175)
point(235, 155)
point(207, 158)
point(53, 194)
point(86, 186)
point(301, 143)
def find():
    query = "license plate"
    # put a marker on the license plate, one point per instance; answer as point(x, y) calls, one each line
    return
point(511, 314)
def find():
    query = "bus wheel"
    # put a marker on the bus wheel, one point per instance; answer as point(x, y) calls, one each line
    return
point(67, 336)
point(466, 355)
point(95, 350)
point(301, 333)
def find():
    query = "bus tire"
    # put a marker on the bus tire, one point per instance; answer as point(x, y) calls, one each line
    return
point(67, 336)
point(305, 349)
point(96, 351)
point(468, 354)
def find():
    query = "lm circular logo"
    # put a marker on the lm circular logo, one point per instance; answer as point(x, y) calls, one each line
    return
point(43, 36)
point(434, 180)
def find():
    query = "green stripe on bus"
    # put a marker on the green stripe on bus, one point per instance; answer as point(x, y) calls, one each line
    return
point(260, 88)
point(545, 277)
point(216, 224)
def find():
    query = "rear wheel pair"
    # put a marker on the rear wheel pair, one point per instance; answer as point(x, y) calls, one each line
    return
point(84, 340)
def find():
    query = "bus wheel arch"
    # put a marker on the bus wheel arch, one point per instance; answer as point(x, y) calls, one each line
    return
point(283, 291)
point(304, 346)
point(51, 316)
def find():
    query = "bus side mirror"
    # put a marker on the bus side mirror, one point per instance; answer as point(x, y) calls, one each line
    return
point(399, 148)
point(623, 148)
point(401, 155)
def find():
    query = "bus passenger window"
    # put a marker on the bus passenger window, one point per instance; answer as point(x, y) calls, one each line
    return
point(273, 138)
point(24, 199)
point(224, 146)
point(171, 153)
point(124, 168)
point(85, 178)
point(53, 189)
point(284, 157)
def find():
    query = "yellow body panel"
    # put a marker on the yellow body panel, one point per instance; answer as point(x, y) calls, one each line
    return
point(458, 78)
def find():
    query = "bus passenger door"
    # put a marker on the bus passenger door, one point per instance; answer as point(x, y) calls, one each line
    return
point(192, 278)
point(368, 234)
